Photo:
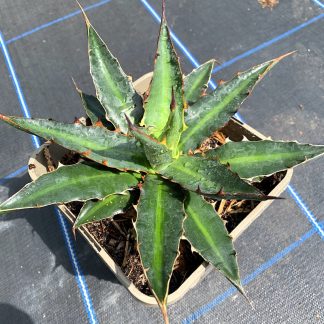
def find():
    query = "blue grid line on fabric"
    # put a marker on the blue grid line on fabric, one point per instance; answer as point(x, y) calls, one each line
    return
point(13, 174)
point(77, 269)
point(58, 20)
point(15, 81)
point(310, 216)
point(319, 3)
point(70, 247)
point(268, 43)
point(249, 278)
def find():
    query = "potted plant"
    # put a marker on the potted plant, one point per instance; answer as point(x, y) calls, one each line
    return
point(163, 157)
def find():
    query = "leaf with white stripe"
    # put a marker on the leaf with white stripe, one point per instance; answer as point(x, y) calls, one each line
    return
point(207, 234)
point(213, 111)
point(114, 88)
point(79, 182)
point(210, 177)
point(159, 228)
point(96, 143)
point(196, 83)
point(94, 211)
point(261, 158)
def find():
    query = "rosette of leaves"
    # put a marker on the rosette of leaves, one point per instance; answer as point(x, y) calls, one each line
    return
point(151, 143)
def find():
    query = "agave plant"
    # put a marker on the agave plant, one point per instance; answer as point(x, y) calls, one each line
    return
point(152, 142)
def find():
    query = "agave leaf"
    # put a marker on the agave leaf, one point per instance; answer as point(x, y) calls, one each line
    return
point(94, 110)
point(110, 206)
point(103, 146)
point(261, 158)
point(196, 83)
point(206, 232)
point(79, 182)
point(114, 88)
point(165, 103)
point(175, 127)
point(214, 110)
point(157, 153)
point(210, 177)
point(159, 228)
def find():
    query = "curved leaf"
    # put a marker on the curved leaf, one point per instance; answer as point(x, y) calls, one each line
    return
point(157, 153)
point(79, 182)
point(261, 158)
point(159, 228)
point(210, 177)
point(164, 105)
point(214, 110)
point(98, 144)
point(110, 206)
point(206, 232)
point(94, 110)
point(196, 83)
point(114, 88)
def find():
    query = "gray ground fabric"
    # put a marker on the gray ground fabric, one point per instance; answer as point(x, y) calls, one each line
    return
point(280, 255)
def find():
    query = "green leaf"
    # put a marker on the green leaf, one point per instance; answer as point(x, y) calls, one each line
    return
point(165, 103)
point(94, 110)
point(110, 206)
point(79, 182)
point(175, 126)
point(261, 158)
point(114, 88)
point(210, 177)
point(159, 228)
point(214, 110)
point(196, 83)
point(206, 232)
point(96, 143)
point(157, 153)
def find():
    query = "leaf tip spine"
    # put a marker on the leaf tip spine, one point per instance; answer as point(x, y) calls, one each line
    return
point(278, 59)
point(86, 19)
point(163, 18)
point(76, 86)
point(164, 311)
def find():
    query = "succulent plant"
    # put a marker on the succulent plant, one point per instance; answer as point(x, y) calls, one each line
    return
point(152, 142)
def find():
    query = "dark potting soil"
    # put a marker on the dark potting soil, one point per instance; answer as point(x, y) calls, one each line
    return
point(117, 235)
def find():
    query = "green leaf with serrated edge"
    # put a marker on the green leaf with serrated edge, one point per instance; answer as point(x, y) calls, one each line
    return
point(157, 153)
point(206, 232)
point(79, 182)
point(93, 211)
point(196, 82)
point(158, 226)
point(166, 89)
point(94, 110)
point(211, 178)
point(261, 158)
point(114, 88)
point(212, 111)
point(96, 143)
